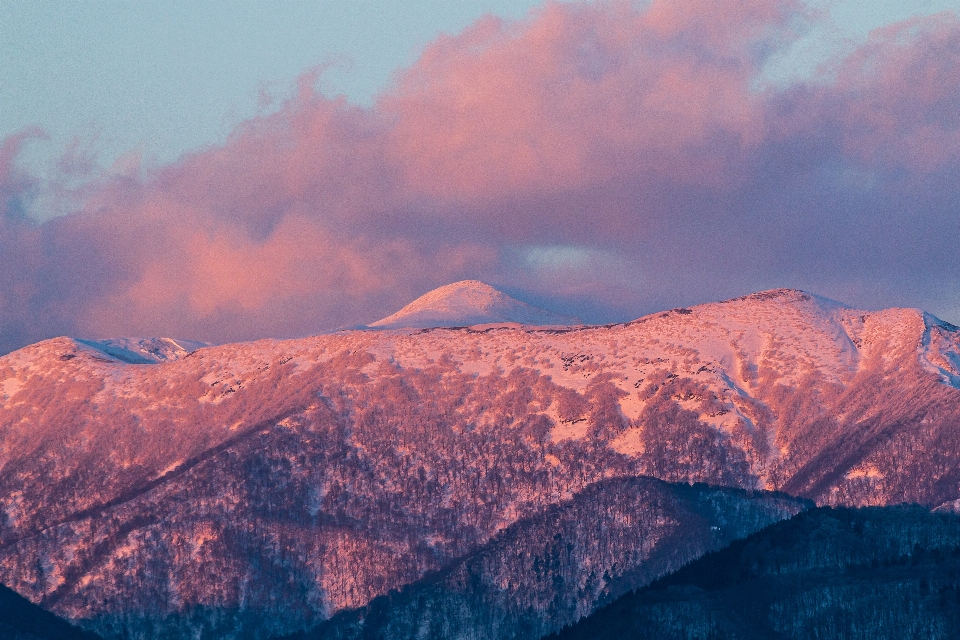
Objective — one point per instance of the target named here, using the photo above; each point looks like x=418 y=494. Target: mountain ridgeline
x=160 y=489
x=870 y=573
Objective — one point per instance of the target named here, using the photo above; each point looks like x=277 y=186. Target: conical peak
x=474 y=285
x=468 y=302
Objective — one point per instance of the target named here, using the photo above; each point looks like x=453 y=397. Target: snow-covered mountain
x=261 y=487
x=467 y=303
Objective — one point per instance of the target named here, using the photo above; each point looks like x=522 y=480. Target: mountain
x=256 y=489
x=145 y=350
x=878 y=573
x=549 y=570
x=468 y=303
x=22 y=620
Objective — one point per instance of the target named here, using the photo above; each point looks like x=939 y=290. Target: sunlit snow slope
x=467 y=303
x=341 y=466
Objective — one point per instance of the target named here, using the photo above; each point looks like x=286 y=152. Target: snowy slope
x=381 y=455
x=467 y=303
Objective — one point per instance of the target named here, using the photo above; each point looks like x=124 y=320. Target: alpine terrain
x=461 y=471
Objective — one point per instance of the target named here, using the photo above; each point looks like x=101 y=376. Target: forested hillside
x=20 y=619
x=840 y=574
x=555 y=567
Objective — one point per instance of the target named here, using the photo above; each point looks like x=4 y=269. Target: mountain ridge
x=877 y=572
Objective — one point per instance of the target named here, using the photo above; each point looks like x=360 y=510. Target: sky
x=229 y=171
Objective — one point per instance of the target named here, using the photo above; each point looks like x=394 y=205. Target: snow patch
x=630 y=442
x=170 y=468
x=10 y=387
x=869 y=471
x=631 y=405
x=575 y=429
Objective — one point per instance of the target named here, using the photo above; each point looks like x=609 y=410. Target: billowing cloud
x=584 y=93
x=605 y=159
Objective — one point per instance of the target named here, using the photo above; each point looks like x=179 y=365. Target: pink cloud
x=580 y=93
x=20 y=258
x=903 y=89
x=893 y=102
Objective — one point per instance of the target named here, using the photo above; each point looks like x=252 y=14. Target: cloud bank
x=603 y=159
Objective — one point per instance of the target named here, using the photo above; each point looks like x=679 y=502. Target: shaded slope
x=557 y=566
x=891 y=572
x=20 y=619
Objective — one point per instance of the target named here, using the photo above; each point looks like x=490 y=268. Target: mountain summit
x=467 y=303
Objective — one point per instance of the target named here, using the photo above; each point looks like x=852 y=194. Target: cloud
x=20 y=259
x=604 y=158
x=582 y=93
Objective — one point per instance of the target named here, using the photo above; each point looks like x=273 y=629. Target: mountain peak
x=465 y=303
